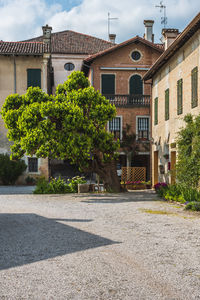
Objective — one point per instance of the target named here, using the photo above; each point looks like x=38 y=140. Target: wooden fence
x=133 y=174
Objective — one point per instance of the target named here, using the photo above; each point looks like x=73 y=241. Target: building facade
x=23 y=65
x=44 y=61
x=117 y=73
x=175 y=92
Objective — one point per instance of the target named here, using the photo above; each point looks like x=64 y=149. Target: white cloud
x=22 y=19
x=91 y=17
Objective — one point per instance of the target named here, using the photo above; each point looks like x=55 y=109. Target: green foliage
x=10 y=170
x=58 y=186
x=182 y=194
x=73 y=183
x=195 y=206
x=41 y=186
x=55 y=186
x=71 y=124
x=188 y=165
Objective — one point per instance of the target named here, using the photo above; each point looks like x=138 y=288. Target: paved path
x=128 y=246
x=16 y=189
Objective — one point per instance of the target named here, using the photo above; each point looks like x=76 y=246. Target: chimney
x=149 y=36
x=169 y=35
x=112 y=38
x=47 y=34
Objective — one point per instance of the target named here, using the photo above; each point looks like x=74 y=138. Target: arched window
x=136 y=85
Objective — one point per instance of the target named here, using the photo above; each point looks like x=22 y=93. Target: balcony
x=129 y=100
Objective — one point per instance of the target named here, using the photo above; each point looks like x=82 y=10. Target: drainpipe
x=92 y=77
x=15 y=77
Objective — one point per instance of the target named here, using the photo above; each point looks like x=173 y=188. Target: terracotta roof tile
x=25 y=48
x=71 y=42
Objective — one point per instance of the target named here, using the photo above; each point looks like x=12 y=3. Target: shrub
x=10 y=170
x=193 y=205
x=41 y=186
x=58 y=186
x=191 y=194
x=55 y=186
x=73 y=183
x=174 y=193
x=161 y=188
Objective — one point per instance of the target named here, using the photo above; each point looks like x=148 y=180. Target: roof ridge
x=23 y=42
x=172 y=48
x=123 y=44
x=80 y=33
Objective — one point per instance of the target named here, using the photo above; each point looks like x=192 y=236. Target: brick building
x=117 y=73
x=175 y=93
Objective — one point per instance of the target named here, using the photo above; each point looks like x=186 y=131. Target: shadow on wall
x=27 y=238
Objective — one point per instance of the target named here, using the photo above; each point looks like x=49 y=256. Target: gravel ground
x=128 y=246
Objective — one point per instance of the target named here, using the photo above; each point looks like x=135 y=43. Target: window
x=167 y=105
x=156 y=111
x=194 y=87
x=69 y=66
x=179 y=96
x=115 y=126
x=108 y=84
x=143 y=128
x=136 y=85
x=34 y=78
x=136 y=55
x=32 y=164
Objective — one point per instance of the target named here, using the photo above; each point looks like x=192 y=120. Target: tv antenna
x=163 y=8
x=110 y=19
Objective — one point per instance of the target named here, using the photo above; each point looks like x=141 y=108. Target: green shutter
x=180 y=96
x=156 y=111
x=108 y=84
x=167 y=104
x=194 y=87
x=34 y=77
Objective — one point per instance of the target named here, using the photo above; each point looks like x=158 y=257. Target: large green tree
x=70 y=125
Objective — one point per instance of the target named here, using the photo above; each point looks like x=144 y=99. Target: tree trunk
x=108 y=173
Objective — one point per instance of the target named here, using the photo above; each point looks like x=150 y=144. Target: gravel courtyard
x=128 y=246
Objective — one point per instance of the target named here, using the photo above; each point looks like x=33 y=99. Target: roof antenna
x=110 y=19
x=163 y=8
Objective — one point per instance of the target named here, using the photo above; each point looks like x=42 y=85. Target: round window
x=69 y=66
x=135 y=55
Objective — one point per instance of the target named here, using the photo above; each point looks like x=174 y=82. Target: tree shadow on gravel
x=122 y=198
x=28 y=238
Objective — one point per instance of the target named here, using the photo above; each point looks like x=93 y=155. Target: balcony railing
x=129 y=100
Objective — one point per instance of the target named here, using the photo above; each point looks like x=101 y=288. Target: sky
x=23 y=19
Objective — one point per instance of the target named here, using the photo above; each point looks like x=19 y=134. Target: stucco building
x=175 y=92
x=23 y=64
x=43 y=61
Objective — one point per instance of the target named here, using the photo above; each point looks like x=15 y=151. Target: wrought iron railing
x=129 y=100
